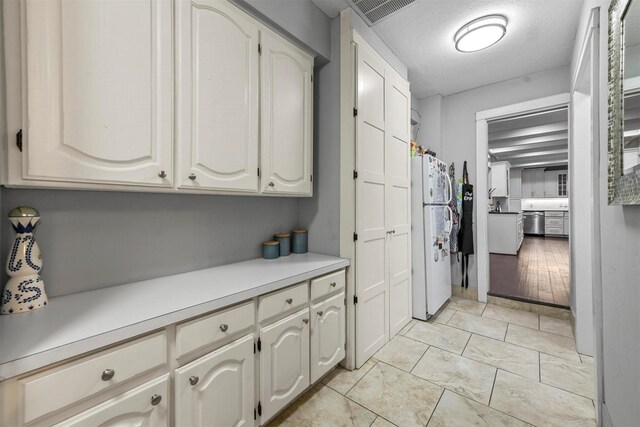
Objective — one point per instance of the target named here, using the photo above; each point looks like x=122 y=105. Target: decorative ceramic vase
x=299 y=241
x=25 y=289
x=285 y=243
x=271 y=249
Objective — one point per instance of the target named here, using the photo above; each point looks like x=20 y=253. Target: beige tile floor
x=472 y=365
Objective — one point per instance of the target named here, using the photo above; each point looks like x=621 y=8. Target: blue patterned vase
x=25 y=289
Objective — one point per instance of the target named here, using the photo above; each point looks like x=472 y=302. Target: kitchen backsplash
x=560 y=204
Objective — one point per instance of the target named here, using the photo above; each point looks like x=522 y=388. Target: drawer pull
x=156 y=399
x=224 y=327
x=320 y=313
x=107 y=374
x=192 y=177
x=305 y=321
x=289 y=301
x=162 y=174
x=333 y=284
x=193 y=380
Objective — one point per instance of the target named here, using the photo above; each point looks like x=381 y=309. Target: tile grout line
x=436 y=405
x=419 y=358
x=487 y=406
x=493 y=386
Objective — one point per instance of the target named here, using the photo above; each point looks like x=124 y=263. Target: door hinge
x=355 y=174
x=345 y=301
x=259 y=344
x=19 y=140
x=258 y=172
x=355 y=112
x=311 y=178
x=259 y=49
x=355 y=300
x=311 y=77
x=345 y=346
x=259 y=408
x=355 y=236
x=255 y=414
x=254 y=348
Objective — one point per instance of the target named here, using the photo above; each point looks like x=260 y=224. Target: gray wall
x=430 y=134
x=96 y=239
x=459 y=127
x=321 y=214
x=620 y=246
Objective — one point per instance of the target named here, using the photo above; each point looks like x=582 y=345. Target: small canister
x=271 y=249
x=285 y=243
x=299 y=241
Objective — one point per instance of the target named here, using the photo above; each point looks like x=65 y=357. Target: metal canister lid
x=300 y=230
x=281 y=235
x=271 y=243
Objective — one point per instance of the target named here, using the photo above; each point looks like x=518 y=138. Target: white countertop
x=74 y=324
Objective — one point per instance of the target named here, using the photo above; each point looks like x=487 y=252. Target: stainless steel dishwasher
x=534 y=223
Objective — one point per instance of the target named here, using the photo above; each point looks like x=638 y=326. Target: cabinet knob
x=305 y=321
x=333 y=284
x=224 y=327
x=320 y=313
x=193 y=380
x=271 y=184
x=289 y=300
x=192 y=177
x=162 y=174
x=156 y=399
x=107 y=374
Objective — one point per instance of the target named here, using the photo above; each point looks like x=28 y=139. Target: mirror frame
x=623 y=189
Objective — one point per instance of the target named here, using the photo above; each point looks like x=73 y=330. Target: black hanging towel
x=465 y=238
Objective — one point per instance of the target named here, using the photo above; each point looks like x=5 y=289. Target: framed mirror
x=624 y=102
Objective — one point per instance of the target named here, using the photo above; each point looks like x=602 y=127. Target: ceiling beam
x=545 y=153
x=558 y=140
x=541 y=164
x=527 y=132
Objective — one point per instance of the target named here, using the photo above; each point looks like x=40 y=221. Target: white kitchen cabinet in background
x=515 y=178
x=532 y=183
x=219 y=388
x=217 y=66
x=284 y=362
x=500 y=179
x=98 y=82
x=286 y=117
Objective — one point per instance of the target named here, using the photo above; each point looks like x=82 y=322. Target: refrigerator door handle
x=450 y=188
x=450 y=219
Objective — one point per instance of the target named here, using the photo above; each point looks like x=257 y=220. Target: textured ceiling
x=540 y=36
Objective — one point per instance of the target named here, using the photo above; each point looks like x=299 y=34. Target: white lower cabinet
x=217 y=389
x=284 y=362
x=327 y=335
x=147 y=405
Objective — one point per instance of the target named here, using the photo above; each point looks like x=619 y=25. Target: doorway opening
x=529 y=217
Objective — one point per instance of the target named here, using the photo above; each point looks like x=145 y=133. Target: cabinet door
x=146 y=405
x=527 y=180
x=217 y=389
x=287 y=117
x=327 y=335
x=551 y=184
x=398 y=199
x=217 y=96
x=515 y=180
x=562 y=184
x=284 y=362
x=538 y=183
x=99 y=92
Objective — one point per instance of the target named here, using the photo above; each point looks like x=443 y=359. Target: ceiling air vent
x=374 y=11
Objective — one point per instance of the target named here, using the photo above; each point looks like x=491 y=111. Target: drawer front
x=145 y=405
x=553 y=230
x=554 y=222
x=327 y=285
x=214 y=328
x=49 y=391
x=283 y=302
x=553 y=214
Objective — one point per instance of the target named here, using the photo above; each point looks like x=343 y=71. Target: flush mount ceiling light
x=480 y=33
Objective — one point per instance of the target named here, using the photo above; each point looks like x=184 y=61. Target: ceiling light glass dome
x=481 y=33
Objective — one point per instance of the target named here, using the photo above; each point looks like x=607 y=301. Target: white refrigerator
x=432 y=220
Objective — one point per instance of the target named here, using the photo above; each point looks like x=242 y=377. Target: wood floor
x=539 y=273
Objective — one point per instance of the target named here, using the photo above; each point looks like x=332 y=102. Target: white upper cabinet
x=286 y=117
x=98 y=92
x=217 y=96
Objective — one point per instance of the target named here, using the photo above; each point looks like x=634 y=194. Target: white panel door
x=99 y=91
x=328 y=330
x=284 y=362
x=398 y=203
x=217 y=96
x=147 y=405
x=217 y=389
x=372 y=285
x=286 y=117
